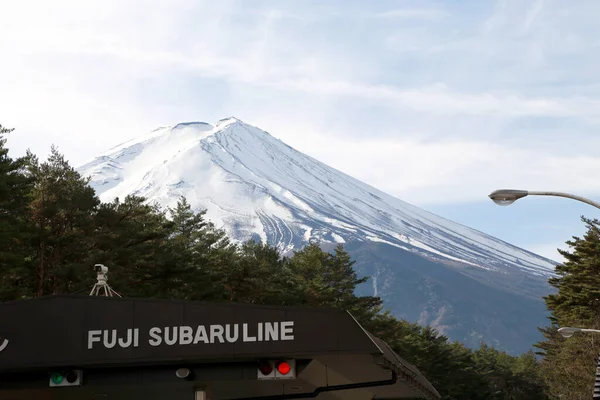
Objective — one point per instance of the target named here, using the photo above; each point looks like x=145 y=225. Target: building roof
x=99 y=333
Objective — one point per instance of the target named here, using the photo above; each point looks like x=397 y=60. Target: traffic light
x=276 y=369
x=65 y=378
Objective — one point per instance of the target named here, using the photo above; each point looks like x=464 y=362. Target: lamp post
x=567 y=332
x=505 y=197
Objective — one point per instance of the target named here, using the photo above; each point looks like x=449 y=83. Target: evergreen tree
x=568 y=364
x=131 y=237
x=325 y=279
x=53 y=229
x=569 y=370
x=309 y=283
x=61 y=211
x=198 y=252
x=578 y=279
x=257 y=275
x=342 y=281
x=510 y=377
x=15 y=184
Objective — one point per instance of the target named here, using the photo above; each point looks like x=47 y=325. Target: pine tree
x=578 y=280
x=343 y=281
x=309 y=282
x=530 y=382
x=61 y=212
x=568 y=364
x=53 y=229
x=14 y=235
x=131 y=237
x=256 y=275
x=569 y=370
x=197 y=252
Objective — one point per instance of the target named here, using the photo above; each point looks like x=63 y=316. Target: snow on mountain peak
x=228 y=121
x=254 y=185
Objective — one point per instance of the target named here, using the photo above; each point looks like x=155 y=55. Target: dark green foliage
x=15 y=185
x=61 y=215
x=578 y=280
x=54 y=229
x=514 y=377
x=324 y=279
x=256 y=275
x=569 y=364
x=131 y=237
x=569 y=368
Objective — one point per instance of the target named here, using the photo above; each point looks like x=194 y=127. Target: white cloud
x=548 y=250
x=449 y=171
x=420 y=101
x=439 y=100
x=412 y=13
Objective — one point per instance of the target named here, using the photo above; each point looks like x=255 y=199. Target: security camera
x=101 y=269
x=102 y=284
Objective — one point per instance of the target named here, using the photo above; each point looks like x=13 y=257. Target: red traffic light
x=276 y=369
x=283 y=368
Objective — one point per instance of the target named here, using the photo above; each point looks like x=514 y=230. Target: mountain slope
x=256 y=186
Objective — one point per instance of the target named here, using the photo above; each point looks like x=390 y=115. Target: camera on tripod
x=101 y=285
x=101 y=269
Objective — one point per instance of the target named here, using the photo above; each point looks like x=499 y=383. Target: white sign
x=187 y=335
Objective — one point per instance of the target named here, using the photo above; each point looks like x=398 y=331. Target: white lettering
x=247 y=337
x=271 y=331
x=216 y=331
x=109 y=344
x=201 y=335
x=186 y=335
x=93 y=337
x=127 y=343
x=231 y=338
x=287 y=330
x=155 y=340
x=170 y=341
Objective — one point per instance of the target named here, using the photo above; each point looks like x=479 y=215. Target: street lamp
x=505 y=197
x=567 y=331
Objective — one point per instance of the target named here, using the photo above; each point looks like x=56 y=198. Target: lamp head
x=567 y=331
x=505 y=197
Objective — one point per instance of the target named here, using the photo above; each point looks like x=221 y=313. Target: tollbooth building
x=109 y=348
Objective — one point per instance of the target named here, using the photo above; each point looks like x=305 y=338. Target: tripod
x=102 y=285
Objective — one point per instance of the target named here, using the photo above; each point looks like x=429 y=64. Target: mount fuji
x=470 y=286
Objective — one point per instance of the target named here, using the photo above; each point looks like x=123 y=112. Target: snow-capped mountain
x=254 y=185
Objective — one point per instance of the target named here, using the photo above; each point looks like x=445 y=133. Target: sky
x=435 y=102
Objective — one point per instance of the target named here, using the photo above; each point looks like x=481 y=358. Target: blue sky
x=436 y=102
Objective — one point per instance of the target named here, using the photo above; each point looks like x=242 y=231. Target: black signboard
x=97 y=331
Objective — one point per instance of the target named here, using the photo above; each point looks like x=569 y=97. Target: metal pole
x=567 y=195
x=596 y=394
